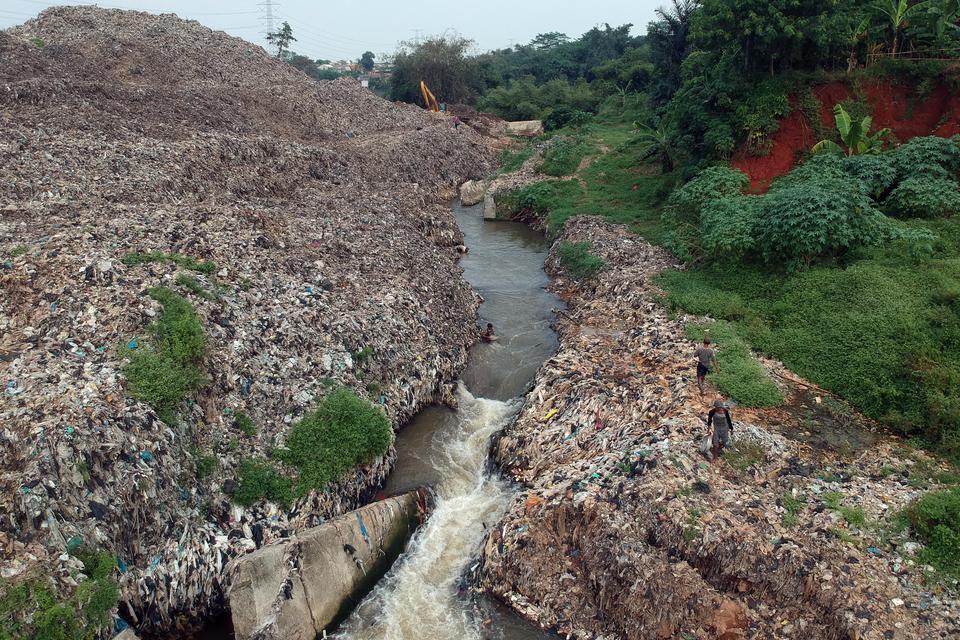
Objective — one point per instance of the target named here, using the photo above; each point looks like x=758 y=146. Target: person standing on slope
x=706 y=358
x=722 y=424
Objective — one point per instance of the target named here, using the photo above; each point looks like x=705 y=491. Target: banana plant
x=854 y=135
x=897 y=13
x=656 y=143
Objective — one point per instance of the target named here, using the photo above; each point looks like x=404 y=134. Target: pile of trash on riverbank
x=626 y=530
x=306 y=224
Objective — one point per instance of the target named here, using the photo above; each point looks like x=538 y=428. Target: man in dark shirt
x=721 y=422
x=706 y=358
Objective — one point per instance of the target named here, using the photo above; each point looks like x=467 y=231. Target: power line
x=268 y=17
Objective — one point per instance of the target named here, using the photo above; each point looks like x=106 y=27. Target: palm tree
x=656 y=143
x=855 y=136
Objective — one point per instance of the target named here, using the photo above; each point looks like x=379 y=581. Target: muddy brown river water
x=421 y=598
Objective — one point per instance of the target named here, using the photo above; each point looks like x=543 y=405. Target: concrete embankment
x=626 y=531
x=296 y=589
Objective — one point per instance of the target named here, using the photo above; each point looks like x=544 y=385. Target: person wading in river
x=487 y=335
x=706 y=358
x=722 y=424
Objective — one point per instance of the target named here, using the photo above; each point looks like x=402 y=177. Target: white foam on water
x=417 y=600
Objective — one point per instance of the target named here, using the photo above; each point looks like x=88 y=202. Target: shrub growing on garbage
x=935 y=519
x=193 y=285
x=578 y=261
x=344 y=432
x=164 y=373
x=31 y=609
x=261 y=481
x=245 y=423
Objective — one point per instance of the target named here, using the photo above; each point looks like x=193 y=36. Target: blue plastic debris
x=873 y=551
x=146 y=456
x=12 y=389
x=363 y=529
x=132 y=344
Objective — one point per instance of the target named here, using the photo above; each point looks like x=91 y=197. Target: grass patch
x=563 y=157
x=245 y=423
x=18 y=251
x=344 y=432
x=193 y=285
x=883 y=332
x=744 y=454
x=30 y=609
x=853 y=515
x=740 y=376
x=205 y=465
x=261 y=481
x=137 y=258
x=935 y=519
x=578 y=261
x=793 y=504
x=361 y=356
x=513 y=158
x=164 y=373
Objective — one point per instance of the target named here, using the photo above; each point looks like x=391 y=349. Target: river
x=421 y=597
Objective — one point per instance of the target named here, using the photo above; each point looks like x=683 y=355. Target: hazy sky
x=344 y=29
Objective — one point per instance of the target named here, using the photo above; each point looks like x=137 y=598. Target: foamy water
x=417 y=600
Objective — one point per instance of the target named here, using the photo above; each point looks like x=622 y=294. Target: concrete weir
x=296 y=589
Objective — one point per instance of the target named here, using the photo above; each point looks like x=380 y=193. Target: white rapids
x=417 y=600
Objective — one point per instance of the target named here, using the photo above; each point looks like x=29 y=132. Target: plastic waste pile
x=332 y=261
x=627 y=531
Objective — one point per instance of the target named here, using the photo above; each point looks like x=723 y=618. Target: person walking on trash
x=706 y=358
x=721 y=423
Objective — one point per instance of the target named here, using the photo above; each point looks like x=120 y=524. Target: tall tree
x=281 y=38
x=442 y=63
x=669 y=40
x=366 y=61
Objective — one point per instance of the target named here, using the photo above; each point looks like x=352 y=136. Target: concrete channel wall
x=296 y=589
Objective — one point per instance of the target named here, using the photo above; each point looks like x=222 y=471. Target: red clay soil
x=892 y=105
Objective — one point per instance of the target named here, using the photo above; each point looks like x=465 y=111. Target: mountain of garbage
x=303 y=223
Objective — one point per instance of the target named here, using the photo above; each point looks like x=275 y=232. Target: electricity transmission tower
x=268 y=6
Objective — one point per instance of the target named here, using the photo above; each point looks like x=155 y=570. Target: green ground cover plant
x=563 y=157
x=513 y=158
x=579 y=262
x=935 y=519
x=166 y=371
x=343 y=432
x=740 y=376
x=31 y=610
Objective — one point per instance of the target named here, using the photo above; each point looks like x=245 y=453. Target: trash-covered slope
x=626 y=531
x=332 y=260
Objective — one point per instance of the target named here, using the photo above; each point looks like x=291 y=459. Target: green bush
x=344 y=432
x=261 y=481
x=682 y=210
x=928 y=157
x=563 y=157
x=935 y=519
x=799 y=224
x=924 y=197
x=875 y=172
x=30 y=610
x=578 y=261
x=245 y=423
x=164 y=373
x=759 y=117
x=740 y=376
x=728 y=225
x=564 y=115
x=540 y=198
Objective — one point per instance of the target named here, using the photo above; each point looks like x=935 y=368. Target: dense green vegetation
x=345 y=431
x=166 y=371
x=935 y=519
x=31 y=610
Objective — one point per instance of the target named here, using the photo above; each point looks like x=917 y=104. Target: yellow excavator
x=429 y=101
